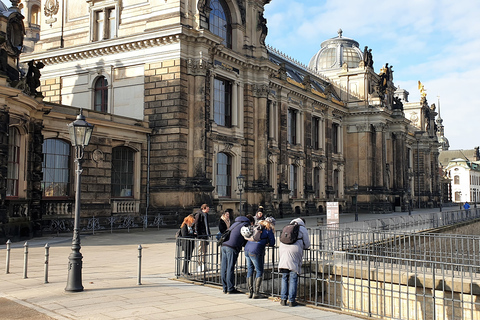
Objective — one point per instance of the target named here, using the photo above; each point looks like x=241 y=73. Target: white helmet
x=246 y=231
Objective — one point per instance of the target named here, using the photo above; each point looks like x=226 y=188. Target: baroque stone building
x=185 y=96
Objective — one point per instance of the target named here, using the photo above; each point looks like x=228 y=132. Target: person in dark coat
x=230 y=250
x=225 y=221
x=187 y=233
x=202 y=231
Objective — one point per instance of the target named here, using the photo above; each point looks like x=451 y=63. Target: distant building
x=186 y=97
x=462 y=167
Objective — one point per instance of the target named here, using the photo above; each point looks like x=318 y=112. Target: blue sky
x=434 y=41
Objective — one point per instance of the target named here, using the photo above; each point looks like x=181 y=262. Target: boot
x=258 y=284
x=250 y=287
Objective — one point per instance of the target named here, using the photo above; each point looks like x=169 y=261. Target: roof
x=296 y=74
x=454 y=155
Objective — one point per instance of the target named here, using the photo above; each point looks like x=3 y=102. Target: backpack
x=257 y=232
x=289 y=233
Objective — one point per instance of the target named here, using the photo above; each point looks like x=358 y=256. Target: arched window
x=56 y=168
x=13 y=166
x=219 y=23
x=224 y=175
x=101 y=95
x=122 y=172
x=35 y=15
x=456 y=179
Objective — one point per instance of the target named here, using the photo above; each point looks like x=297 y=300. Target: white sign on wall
x=332 y=213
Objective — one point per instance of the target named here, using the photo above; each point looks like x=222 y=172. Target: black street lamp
x=240 y=184
x=409 y=195
x=80 y=133
x=355 y=187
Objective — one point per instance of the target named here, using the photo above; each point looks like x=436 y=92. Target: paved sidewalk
x=110 y=277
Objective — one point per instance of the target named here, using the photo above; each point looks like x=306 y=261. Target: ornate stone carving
x=50 y=9
x=261 y=91
x=197 y=66
x=241 y=6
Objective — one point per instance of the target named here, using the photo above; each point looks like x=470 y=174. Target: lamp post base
x=74 y=280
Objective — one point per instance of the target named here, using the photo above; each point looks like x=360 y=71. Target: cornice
x=103 y=48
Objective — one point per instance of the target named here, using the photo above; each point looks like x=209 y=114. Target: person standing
x=225 y=221
x=466 y=206
x=255 y=256
x=202 y=231
x=187 y=232
x=230 y=250
x=290 y=264
x=259 y=215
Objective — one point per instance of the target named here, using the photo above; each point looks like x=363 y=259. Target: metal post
x=47 y=247
x=240 y=191
x=25 y=259
x=7 y=263
x=74 y=280
x=139 y=282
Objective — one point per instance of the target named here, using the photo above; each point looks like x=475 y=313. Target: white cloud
x=435 y=41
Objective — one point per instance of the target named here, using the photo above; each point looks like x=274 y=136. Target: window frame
x=67 y=169
x=292 y=126
x=103 y=92
x=225 y=33
x=227 y=175
x=13 y=162
x=293 y=181
x=222 y=102
x=109 y=29
x=125 y=178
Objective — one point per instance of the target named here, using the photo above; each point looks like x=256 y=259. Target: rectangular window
x=223 y=176
x=316 y=181
x=222 y=102
x=13 y=165
x=293 y=181
x=122 y=172
x=105 y=24
x=316 y=133
x=292 y=126
x=335 y=134
x=56 y=168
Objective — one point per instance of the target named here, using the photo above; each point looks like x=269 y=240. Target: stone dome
x=335 y=52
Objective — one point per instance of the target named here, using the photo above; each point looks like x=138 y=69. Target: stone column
x=379 y=154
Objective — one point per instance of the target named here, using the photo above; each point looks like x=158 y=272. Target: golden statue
x=423 y=92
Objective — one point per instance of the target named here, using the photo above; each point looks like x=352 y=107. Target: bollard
x=7 y=264
x=47 y=247
x=25 y=259
x=139 y=282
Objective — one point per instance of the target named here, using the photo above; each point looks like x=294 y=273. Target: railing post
x=25 y=259
x=47 y=247
x=7 y=263
x=139 y=282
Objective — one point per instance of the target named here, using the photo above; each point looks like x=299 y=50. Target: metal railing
x=380 y=274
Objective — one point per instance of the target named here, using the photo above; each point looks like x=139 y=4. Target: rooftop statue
x=423 y=92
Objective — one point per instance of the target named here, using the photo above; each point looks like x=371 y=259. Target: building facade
x=185 y=96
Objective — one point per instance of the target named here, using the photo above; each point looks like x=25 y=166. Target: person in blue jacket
x=255 y=255
x=230 y=251
x=466 y=206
